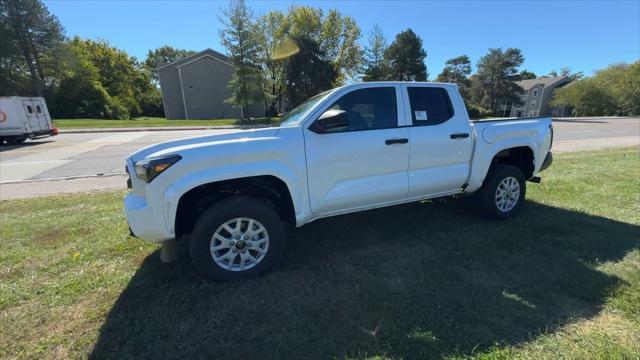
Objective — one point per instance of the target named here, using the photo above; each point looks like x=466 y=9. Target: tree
x=565 y=71
x=611 y=91
x=308 y=72
x=104 y=82
x=80 y=93
x=163 y=55
x=268 y=30
x=30 y=39
x=405 y=57
x=526 y=75
x=339 y=37
x=335 y=35
x=497 y=75
x=627 y=90
x=456 y=70
x=376 y=67
x=121 y=75
x=239 y=38
x=587 y=98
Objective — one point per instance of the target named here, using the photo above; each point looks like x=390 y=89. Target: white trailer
x=24 y=118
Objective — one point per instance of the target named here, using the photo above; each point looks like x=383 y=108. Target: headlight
x=148 y=169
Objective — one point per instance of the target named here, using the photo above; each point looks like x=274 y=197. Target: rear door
x=41 y=114
x=365 y=164
x=439 y=137
x=32 y=118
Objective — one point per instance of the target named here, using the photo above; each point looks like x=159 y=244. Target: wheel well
x=521 y=157
x=270 y=188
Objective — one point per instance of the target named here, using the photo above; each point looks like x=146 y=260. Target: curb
x=74 y=177
x=160 y=128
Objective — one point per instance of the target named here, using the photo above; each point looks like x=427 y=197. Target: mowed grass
x=428 y=280
x=155 y=122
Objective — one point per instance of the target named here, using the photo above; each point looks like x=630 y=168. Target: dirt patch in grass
x=50 y=237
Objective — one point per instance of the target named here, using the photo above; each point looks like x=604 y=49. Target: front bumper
x=144 y=221
x=547 y=161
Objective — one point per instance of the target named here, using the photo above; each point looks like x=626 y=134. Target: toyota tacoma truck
x=357 y=147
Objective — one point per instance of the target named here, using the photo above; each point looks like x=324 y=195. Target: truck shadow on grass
x=411 y=281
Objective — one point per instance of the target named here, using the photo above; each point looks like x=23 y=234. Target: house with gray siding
x=195 y=87
x=535 y=98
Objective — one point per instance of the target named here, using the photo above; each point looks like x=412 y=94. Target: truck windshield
x=295 y=116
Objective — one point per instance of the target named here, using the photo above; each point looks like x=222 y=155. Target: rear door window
x=429 y=105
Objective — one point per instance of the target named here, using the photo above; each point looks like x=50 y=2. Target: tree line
x=611 y=91
x=281 y=58
x=79 y=78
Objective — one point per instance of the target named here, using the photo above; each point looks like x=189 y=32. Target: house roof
x=206 y=52
x=542 y=81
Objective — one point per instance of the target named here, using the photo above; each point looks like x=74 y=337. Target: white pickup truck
x=353 y=148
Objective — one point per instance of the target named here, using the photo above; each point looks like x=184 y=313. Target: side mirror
x=331 y=121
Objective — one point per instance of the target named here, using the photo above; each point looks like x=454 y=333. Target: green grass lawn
x=154 y=122
x=561 y=280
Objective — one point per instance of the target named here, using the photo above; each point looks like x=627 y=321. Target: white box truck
x=24 y=118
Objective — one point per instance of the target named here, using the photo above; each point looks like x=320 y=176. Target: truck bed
x=508 y=119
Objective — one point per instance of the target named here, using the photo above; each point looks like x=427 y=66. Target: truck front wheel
x=237 y=238
x=502 y=193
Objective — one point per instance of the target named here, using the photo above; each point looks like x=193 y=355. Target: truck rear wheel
x=502 y=193
x=237 y=238
x=15 y=139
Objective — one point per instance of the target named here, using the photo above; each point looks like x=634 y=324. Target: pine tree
x=405 y=57
x=376 y=67
x=239 y=38
x=497 y=75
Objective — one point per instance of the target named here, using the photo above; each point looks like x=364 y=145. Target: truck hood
x=181 y=145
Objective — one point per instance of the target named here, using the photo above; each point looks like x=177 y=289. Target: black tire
x=486 y=196
x=223 y=211
x=16 y=140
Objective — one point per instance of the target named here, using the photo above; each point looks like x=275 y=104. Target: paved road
x=96 y=160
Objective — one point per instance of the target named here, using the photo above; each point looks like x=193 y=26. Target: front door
x=440 y=140
x=364 y=164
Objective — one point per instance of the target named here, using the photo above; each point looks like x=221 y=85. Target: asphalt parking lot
x=95 y=161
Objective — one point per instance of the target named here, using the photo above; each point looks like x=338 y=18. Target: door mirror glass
x=331 y=121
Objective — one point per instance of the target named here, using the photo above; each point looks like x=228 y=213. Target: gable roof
x=206 y=52
x=542 y=81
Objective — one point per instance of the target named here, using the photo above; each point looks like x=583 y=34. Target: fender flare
x=189 y=182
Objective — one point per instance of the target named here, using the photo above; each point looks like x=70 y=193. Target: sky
x=582 y=35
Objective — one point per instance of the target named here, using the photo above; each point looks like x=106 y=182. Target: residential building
x=536 y=97
x=195 y=87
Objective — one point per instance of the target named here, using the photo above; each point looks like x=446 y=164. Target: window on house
x=29 y=109
x=38 y=109
x=533 y=104
x=535 y=92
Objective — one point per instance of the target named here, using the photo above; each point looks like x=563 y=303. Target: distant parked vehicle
x=23 y=118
